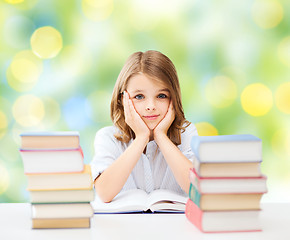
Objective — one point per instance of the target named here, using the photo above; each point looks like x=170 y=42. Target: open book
x=137 y=200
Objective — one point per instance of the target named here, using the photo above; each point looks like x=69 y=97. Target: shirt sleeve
x=107 y=150
x=186 y=136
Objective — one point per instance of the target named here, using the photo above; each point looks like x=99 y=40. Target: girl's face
x=151 y=98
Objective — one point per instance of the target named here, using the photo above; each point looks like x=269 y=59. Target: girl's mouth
x=151 y=117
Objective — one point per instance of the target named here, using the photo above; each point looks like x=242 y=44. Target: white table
x=15 y=224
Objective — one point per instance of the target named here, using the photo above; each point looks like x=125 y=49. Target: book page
x=163 y=199
x=126 y=201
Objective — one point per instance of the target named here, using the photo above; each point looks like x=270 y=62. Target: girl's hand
x=133 y=119
x=163 y=126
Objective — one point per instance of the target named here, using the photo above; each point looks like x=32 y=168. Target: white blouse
x=151 y=171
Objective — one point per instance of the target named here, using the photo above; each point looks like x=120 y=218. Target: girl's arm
x=112 y=180
x=178 y=163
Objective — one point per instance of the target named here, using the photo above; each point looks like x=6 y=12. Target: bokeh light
x=206 y=129
x=59 y=63
x=14 y=1
x=3 y=124
x=28 y=110
x=284 y=51
x=46 y=42
x=267 y=13
x=221 y=91
x=97 y=10
x=24 y=71
x=257 y=99
x=282 y=98
x=4 y=178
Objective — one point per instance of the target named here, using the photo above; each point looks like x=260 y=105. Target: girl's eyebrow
x=159 y=90
x=164 y=90
x=137 y=91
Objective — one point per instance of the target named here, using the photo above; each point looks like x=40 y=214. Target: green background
x=220 y=48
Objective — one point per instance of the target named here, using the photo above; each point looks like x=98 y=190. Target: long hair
x=159 y=67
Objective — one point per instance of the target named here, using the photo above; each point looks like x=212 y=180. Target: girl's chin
x=151 y=126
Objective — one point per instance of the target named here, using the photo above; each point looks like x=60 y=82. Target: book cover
x=228 y=184
x=227 y=148
x=222 y=221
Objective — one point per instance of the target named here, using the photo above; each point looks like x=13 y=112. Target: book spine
x=194 y=214
x=194 y=195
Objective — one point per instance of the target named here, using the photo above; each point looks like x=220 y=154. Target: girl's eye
x=139 y=96
x=162 y=95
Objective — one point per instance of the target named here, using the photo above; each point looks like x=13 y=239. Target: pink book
x=222 y=221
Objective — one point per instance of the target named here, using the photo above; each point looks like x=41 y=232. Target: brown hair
x=159 y=67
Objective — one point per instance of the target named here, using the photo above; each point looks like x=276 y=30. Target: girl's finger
x=126 y=105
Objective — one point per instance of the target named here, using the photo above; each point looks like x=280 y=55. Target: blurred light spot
x=98 y=106
x=221 y=91
x=17 y=31
x=52 y=112
x=282 y=97
x=97 y=10
x=75 y=114
x=257 y=99
x=28 y=110
x=46 y=42
x=22 y=4
x=14 y=1
x=267 y=13
x=4 y=179
x=206 y=129
x=3 y=124
x=284 y=51
x=24 y=71
x=281 y=142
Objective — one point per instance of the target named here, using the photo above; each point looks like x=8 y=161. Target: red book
x=228 y=184
x=222 y=221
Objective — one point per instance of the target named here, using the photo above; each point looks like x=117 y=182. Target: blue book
x=227 y=148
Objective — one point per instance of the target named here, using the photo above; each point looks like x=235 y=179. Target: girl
x=149 y=145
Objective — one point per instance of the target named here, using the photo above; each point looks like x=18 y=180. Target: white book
x=60 y=181
x=137 y=200
x=52 y=161
x=62 y=196
x=227 y=148
x=62 y=210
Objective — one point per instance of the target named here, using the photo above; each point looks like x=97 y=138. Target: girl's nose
x=150 y=105
x=150 y=108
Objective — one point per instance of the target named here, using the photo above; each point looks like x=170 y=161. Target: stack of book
x=59 y=183
x=226 y=183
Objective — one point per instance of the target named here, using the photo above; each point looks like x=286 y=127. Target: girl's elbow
x=103 y=194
